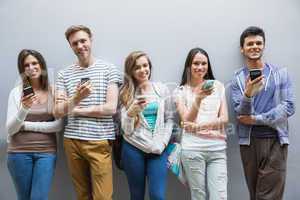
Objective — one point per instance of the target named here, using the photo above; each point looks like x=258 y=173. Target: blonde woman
x=147 y=122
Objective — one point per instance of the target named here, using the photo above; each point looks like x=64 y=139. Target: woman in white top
x=203 y=113
x=147 y=121
x=31 y=129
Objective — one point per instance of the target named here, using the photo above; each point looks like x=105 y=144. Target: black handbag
x=117 y=143
x=117 y=151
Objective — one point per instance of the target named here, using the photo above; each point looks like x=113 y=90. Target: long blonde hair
x=129 y=86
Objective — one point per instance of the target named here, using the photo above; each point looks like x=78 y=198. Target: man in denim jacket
x=262 y=107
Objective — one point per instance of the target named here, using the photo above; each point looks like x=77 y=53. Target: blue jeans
x=32 y=174
x=138 y=165
x=203 y=167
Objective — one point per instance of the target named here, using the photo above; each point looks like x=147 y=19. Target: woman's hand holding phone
x=28 y=101
x=203 y=91
x=137 y=106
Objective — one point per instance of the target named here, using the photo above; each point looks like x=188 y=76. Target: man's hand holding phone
x=83 y=80
x=254 y=82
x=84 y=89
x=137 y=106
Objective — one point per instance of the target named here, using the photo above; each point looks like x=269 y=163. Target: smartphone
x=83 y=80
x=255 y=73
x=141 y=98
x=208 y=85
x=28 y=90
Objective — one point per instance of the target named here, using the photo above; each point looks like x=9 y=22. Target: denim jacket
x=277 y=117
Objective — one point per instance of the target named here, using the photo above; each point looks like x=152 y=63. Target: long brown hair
x=188 y=63
x=44 y=76
x=129 y=86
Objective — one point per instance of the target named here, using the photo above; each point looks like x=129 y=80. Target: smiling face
x=253 y=47
x=199 y=66
x=81 y=43
x=32 y=67
x=141 y=71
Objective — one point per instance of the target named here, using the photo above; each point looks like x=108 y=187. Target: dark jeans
x=264 y=163
x=138 y=165
x=32 y=174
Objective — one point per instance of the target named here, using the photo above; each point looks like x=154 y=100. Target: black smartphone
x=255 y=73
x=83 y=80
x=28 y=90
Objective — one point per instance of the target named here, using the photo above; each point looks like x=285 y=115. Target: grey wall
x=164 y=29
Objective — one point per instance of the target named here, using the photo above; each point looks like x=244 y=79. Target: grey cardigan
x=141 y=136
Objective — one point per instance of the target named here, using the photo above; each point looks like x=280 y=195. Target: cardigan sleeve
x=16 y=113
x=127 y=123
x=161 y=140
x=44 y=127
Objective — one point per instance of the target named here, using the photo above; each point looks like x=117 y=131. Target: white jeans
x=201 y=165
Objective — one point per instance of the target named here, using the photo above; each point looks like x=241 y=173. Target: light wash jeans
x=203 y=167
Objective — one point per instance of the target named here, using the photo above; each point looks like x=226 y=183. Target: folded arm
x=107 y=109
x=44 y=127
x=285 y=107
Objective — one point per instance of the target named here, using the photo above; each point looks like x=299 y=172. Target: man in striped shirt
x=87 y=93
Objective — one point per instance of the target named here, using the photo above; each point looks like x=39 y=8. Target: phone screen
x=255 y=73
x=27 y=91
x=208 y=85
x=141 y=98
x=83 y=80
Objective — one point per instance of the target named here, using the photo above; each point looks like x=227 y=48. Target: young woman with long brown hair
x=32 y=129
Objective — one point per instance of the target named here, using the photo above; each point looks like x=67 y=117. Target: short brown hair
x=75 y=28
x=252 y=31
